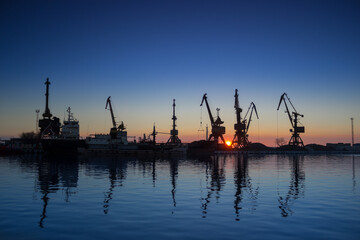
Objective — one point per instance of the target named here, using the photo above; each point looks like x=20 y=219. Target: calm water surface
x=222 y=197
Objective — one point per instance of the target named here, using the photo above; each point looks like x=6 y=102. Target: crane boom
x=290 y=102
x=253 y=107
x=208 y=108
x=282 y=99
x=108 y=103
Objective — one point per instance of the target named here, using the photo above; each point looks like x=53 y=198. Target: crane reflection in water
x=174 y=165
x=148 y=165
x=243 y=183
x=296 y=187
x=217 y=172
x=353 y=173
x=117 y=174
x=215 y=178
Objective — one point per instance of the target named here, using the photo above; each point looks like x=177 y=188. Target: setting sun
x=228 y=143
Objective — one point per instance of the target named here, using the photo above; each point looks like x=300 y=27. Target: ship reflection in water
x=54 y=175
x=183 y=198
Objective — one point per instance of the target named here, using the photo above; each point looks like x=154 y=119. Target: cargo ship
x=116 y=142
x=54 y=137
x=67 y=141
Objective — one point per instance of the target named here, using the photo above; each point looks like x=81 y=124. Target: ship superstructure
x=70 y=129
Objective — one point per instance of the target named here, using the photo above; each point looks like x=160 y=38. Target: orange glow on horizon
x=228 y=143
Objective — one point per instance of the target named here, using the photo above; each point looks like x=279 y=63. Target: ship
x=67 y=141
x=109 y=142
x=116 y=142
x=54 y=137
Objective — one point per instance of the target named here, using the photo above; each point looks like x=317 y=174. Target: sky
x=144 y=54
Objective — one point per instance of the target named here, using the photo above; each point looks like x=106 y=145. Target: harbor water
x=217 y=197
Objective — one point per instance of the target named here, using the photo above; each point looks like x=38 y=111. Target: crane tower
x=49 y=126
x=241 y=126
x=174 y=139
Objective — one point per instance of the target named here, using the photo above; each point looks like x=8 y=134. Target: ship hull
x=206 y=147
x=60 y=146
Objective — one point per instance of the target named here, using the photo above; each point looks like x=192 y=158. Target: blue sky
x=145 y=53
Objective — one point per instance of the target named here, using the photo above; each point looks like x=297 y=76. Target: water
x=223 y=197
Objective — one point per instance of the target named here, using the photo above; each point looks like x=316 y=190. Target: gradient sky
x=145 y=53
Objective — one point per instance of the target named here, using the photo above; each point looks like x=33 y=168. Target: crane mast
x=153 y=135
x=240 y=139
x=295 y=139
x=241 y=126
x=47 y=113
x=237 y=107
x=217 y=130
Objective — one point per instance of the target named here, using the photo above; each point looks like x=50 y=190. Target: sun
x=228 y=143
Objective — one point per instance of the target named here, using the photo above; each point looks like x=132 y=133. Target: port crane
x=295 y=139
x=216 y=130
x=174 y=139
x=114 y=130
x=49 y=125
x=242 y=126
